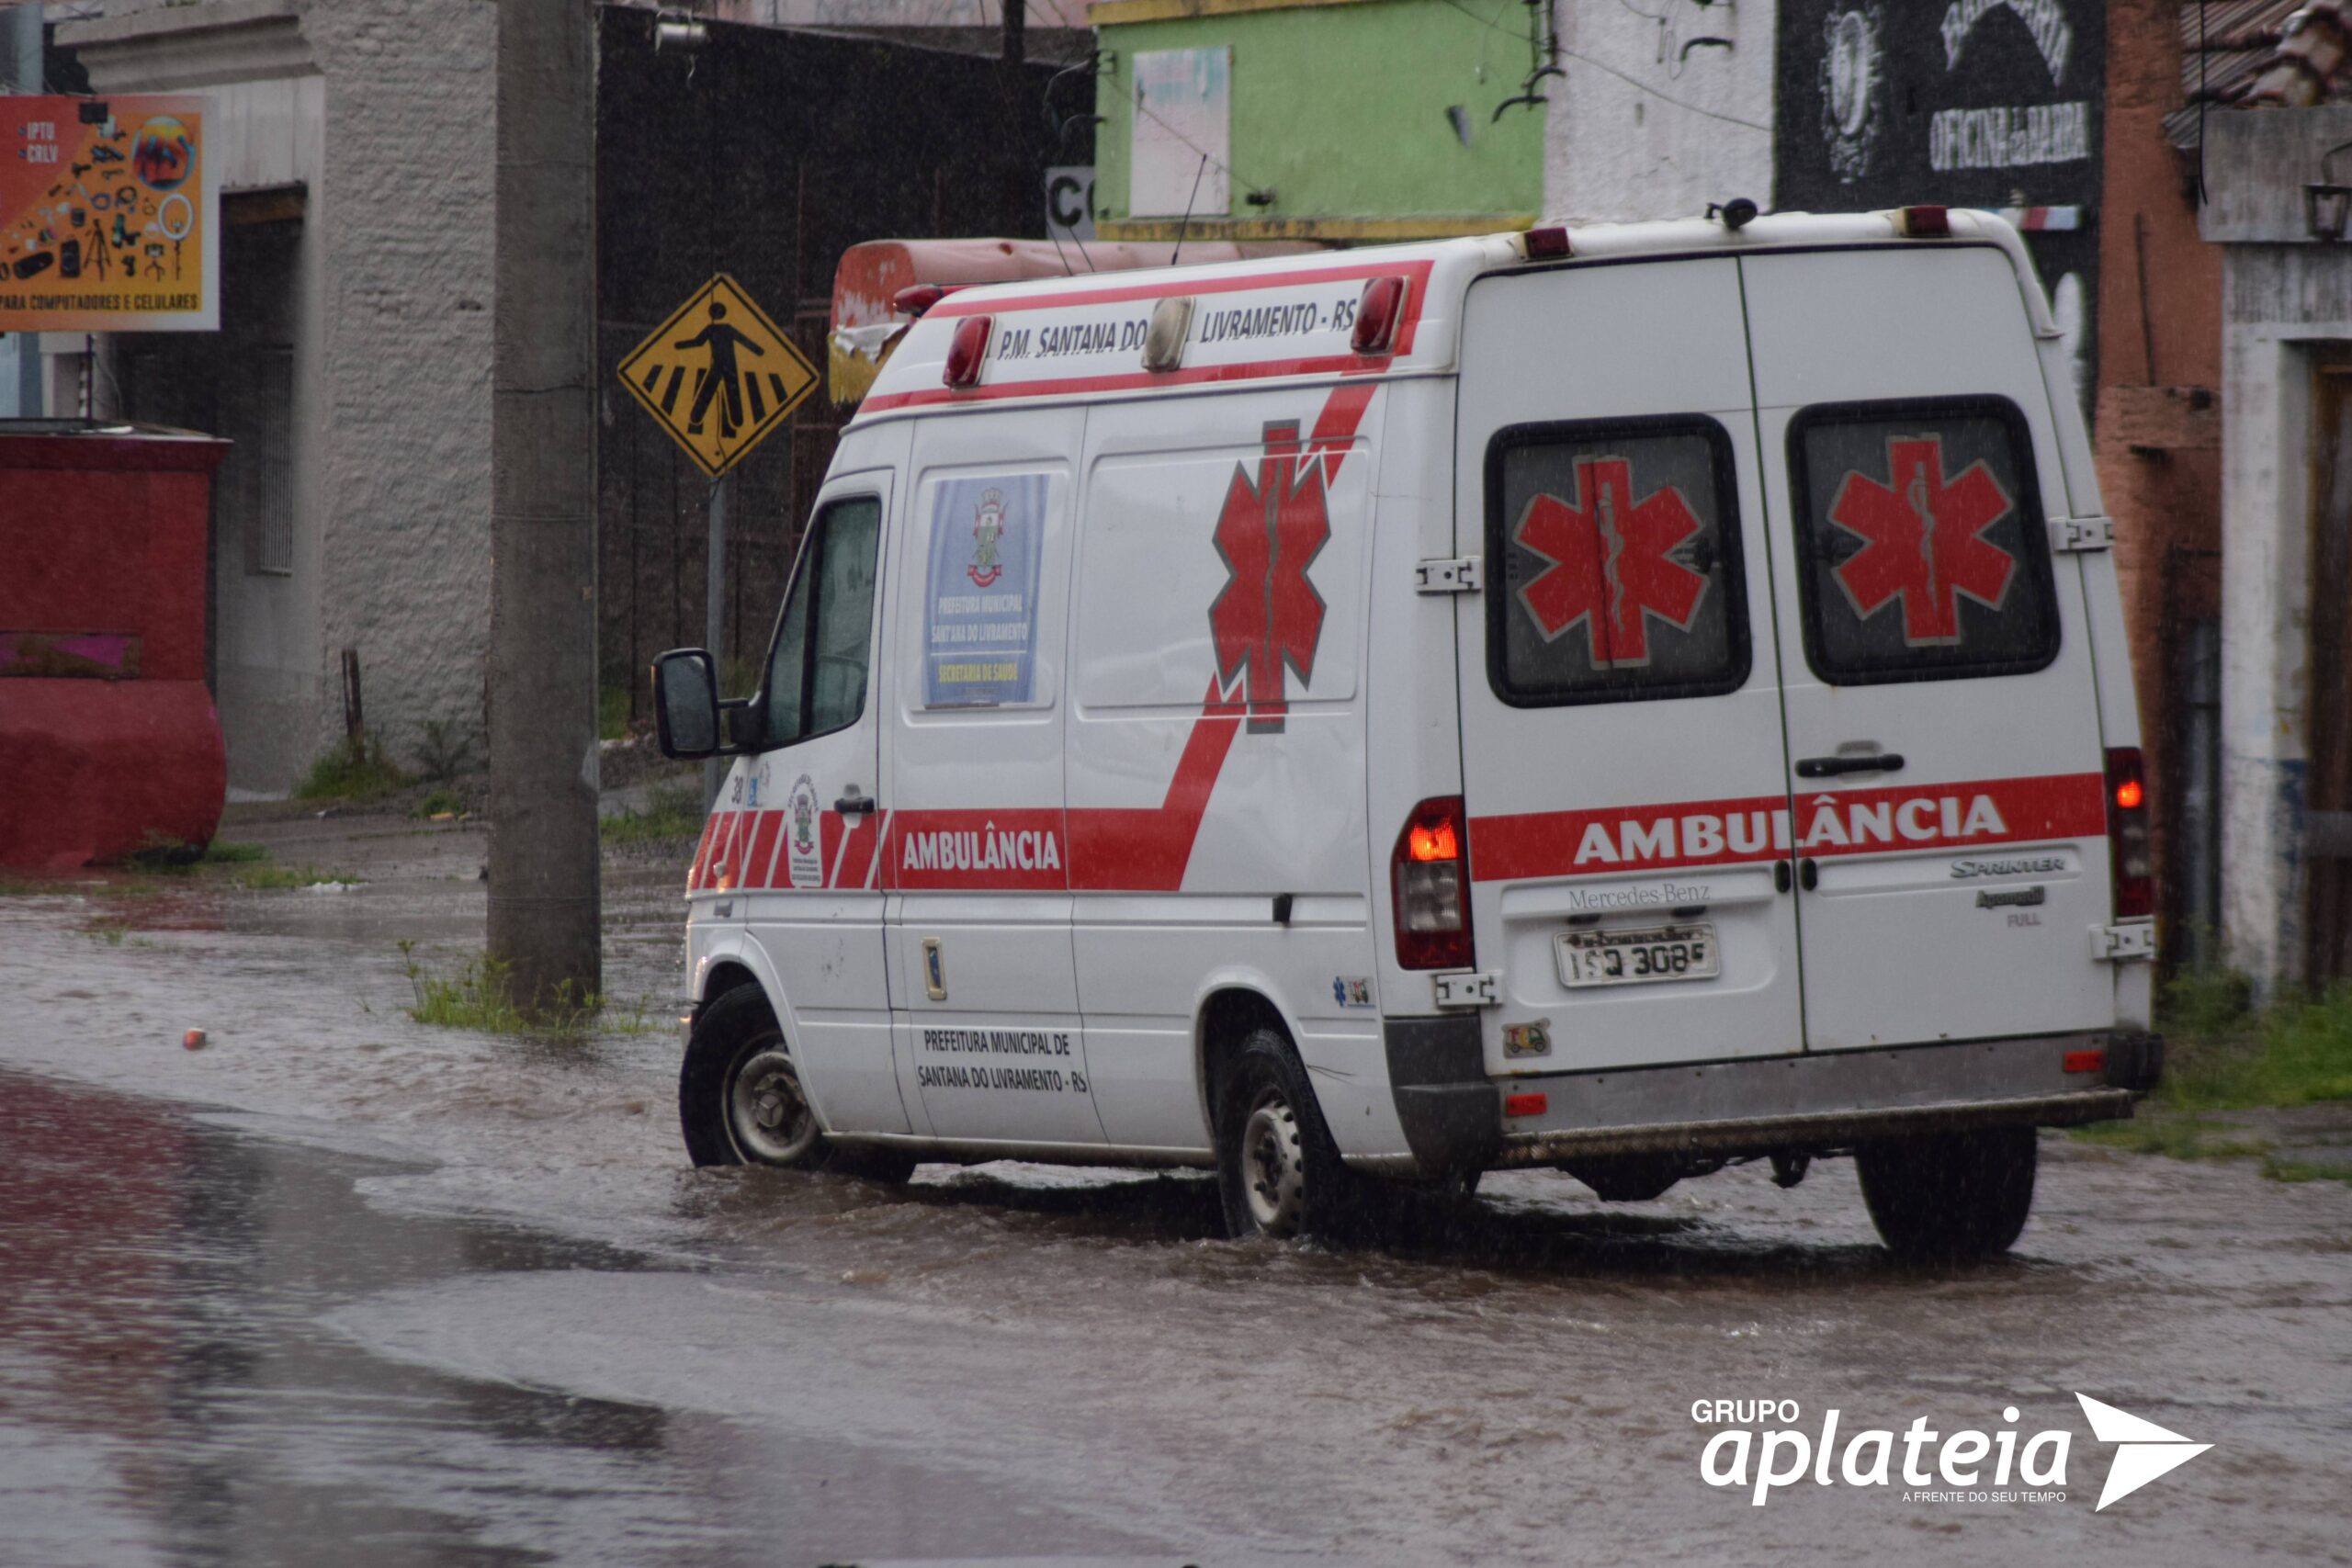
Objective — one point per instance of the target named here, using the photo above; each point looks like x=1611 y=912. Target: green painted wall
x=1341 y=109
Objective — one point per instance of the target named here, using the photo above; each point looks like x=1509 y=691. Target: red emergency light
x=1549 y=243
x=1378 y=313
x=1923 y=222
x=966 y=351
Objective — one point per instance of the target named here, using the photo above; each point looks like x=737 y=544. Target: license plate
x=1640 y=956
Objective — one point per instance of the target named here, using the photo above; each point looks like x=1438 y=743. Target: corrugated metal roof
x=2224 y=45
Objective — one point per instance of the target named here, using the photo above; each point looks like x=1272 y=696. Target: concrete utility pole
x=544 y=908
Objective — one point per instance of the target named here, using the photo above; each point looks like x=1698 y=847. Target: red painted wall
x=102 y=575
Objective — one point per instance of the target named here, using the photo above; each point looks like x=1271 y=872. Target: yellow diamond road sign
x=718 y=375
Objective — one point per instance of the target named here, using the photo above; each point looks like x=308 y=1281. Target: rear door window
x=1621 y=579
x=1922 y=550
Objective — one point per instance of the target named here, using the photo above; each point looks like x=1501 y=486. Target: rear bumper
x=1816 y=1101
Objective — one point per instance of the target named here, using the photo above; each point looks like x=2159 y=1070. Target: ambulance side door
x=976 y=855
x=804 y=849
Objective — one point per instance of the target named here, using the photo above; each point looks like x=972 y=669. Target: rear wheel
x=1951 y=1197
x=1278 y=1172
x=741 y=1102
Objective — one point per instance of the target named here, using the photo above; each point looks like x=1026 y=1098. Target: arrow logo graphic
x=2143 y=1449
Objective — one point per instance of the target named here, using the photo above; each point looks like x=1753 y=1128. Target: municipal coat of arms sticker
x=804 y=856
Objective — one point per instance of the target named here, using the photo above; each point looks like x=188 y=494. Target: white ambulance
x=1628 y=699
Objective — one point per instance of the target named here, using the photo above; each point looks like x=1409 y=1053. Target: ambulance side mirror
x=685 y=704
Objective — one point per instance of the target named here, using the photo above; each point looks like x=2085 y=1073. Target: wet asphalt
x=342 y=1289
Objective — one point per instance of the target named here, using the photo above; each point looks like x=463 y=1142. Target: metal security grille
x=272 y=517
x=257 y=414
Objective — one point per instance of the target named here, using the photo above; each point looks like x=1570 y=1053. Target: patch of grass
x=2220 y=1055
x=479 y=995
x=169 y=857
x=445 y=750
x=2278 y=1170
x=438 y=802
x=2176 y=1135
x=612 y=712
x=275 y=878
x=673 y=810
x=108 y=930
x=350 y=772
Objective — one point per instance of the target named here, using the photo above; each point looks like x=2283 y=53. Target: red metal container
x=108 y=740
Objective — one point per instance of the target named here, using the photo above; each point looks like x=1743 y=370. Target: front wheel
x=1278 y=1172
x=740 y=1102
x=1951 y=1197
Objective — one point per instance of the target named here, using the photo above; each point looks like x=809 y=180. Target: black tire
x=1268 y=1122
x=1950 y=1198
x=737 y=1065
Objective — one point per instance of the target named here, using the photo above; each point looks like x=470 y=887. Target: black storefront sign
x=1970 y=103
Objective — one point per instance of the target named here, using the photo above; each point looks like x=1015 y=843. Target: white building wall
x=2286 y=304
x=1651 y=122
x=410 y=164
x=2283 y=306
x=382 y=113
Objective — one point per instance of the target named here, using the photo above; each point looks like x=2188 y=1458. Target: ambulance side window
x=824 y=643
x=1619 y=562
x=1922 y=553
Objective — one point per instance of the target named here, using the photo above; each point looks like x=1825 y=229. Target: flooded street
x=340 y=1287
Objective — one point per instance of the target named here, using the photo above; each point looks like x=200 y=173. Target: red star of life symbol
x=1267 y=615
x=1923 y=540
x=1612 y=564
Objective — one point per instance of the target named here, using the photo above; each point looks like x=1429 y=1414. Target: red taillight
x=2127 y=835
x=1923 y=222
x=1549 y=243
x=2084 y=1060
x=969 y=347
x=1526 y=1104
x=1430 y=878
x=1378 y=313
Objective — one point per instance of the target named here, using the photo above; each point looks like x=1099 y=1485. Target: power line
x=1664 y=97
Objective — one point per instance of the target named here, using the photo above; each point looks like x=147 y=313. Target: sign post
x=719 y=376
x=713 y=615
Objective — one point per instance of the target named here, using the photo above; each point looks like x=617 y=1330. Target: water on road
x=340 y=1288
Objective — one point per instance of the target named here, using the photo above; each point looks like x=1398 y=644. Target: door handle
x=1831 y=767
x=855 y=805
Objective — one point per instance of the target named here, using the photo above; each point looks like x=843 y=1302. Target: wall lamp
x=2326 y=200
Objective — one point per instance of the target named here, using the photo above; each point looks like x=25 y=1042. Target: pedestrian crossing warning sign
x=718 y=375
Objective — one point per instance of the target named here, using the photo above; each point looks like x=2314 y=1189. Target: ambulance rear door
x=1946 y=761
x=1622 y=760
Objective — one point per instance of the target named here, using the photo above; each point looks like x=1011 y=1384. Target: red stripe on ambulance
x=1730 y=832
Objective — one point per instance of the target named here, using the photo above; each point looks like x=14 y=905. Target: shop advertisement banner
x=980 y=600
x=109 y=216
